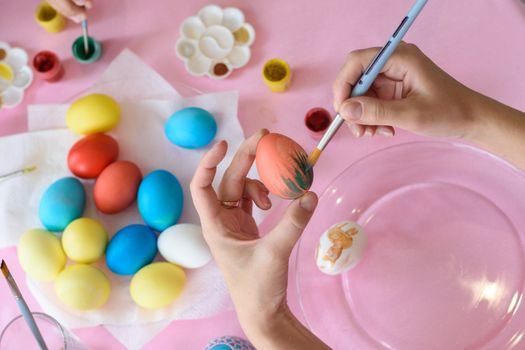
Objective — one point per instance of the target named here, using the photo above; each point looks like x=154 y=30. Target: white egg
x=340 y=248
x=184 y=245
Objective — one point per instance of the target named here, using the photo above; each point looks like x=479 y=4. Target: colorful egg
x=82 y=287
x=84 y=240
x=184 y=245
x=283 y=166
x=340 y=248
x=116 y=187
x=40 y=254
x=89 y=156
x=62 y=203
x=229 y=343
x=191 y=127
x=130 y=249
x=160 y=200
x=93 y=114
x=157 y=285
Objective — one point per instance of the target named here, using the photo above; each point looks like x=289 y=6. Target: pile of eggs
x=43 y=253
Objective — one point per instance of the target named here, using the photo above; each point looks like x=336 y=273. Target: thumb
x=374 y=111
x=286 y=233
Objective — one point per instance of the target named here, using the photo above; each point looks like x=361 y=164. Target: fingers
x=355 y=65
x=85 y=3
x=254 y=190
x=396 y=68
x=233 y=182
x=283 y=237
x=69 y=9
x=202 y=192
x=373 y=111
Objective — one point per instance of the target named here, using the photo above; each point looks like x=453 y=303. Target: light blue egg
x=191 y=127
x=160 y=200
x=229 y=343
x=130 y=249
x=62 y=203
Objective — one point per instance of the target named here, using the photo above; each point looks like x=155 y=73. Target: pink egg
x=283 y=166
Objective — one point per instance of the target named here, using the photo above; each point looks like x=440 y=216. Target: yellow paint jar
x=48 y=18
x=277 y=75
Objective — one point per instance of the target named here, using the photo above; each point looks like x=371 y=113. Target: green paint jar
x=94 y=53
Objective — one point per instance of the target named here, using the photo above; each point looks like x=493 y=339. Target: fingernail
x=308 y=202
x=265 y=200
x=78 y=18
x=383 y=131
x=353 y=130
x=352 y=111
x=368 y=132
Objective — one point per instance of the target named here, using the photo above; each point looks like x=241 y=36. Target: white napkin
x=141 y=139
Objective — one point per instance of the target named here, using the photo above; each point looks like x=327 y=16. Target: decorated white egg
x=340 y=248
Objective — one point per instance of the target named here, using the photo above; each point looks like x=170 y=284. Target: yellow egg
x=84 y=240
x=40 y=254
x=92 y=114
x=82 y=287
x=157 y=285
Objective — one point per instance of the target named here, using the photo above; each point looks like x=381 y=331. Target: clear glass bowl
x=444 y=267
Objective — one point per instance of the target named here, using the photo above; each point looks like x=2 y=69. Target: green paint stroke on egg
x=303 y=176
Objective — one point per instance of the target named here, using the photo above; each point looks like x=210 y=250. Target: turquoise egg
x=130 y=249
x=62 y=203
x=191 y=127
x=160 y=200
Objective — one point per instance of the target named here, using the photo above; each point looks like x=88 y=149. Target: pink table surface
x=481 y=43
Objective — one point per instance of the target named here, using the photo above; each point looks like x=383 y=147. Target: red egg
x=283 y=166
x=116 y=187
x=90 y=155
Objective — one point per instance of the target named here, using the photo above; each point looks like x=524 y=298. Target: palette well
x=444 y=267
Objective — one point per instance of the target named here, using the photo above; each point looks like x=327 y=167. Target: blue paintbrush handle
x=373 y=69
x=382 y=56
x=28 y=316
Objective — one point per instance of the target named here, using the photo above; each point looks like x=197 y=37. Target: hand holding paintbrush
x=24 y=309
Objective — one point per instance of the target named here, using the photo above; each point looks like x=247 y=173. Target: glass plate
x=444 y=266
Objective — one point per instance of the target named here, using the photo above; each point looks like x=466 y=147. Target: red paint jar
x=47 y=66
x=317 y=121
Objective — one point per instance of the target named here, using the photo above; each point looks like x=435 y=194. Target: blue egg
x=160 y=200
x=62 y=203
x=229 y=343
x=191 y=127
x=130 y=249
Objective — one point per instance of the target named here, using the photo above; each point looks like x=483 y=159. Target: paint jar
x=277 y=75
x=47 y=66
x=80 y=54
x=317 y=121
x=48 y=18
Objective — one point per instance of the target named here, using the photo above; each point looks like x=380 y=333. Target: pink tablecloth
x=481 y=43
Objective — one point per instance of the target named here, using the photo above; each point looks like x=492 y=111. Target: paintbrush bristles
x=4 y=268
x=314 y=156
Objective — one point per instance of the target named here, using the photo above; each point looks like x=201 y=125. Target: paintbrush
x=370 y=74
x=24 y=309
x=85 y=35
x=16 y=172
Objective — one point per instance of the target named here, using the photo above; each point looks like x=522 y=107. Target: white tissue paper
x=140 y=135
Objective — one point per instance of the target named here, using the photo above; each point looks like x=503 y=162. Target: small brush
x=24 y=309
x=16 y=172
x=85 y=35
x=370 y=74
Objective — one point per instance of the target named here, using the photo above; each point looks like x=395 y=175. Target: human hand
x=411 y=92
x=255 y=268
x=75 y=10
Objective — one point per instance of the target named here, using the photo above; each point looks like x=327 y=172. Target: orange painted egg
x=283 y=166
x=116 y=187
x=91 y=154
